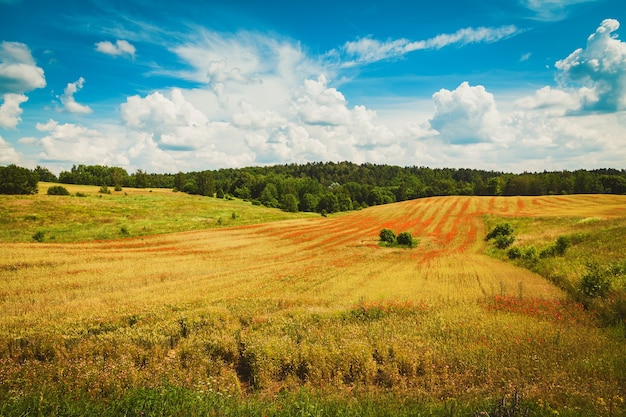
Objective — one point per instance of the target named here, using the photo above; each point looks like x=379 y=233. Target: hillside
x=88 y=214
x=311 y=304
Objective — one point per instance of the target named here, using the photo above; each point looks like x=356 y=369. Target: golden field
x=315 y=303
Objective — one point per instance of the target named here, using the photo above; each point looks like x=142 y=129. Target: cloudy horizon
x=507 y=86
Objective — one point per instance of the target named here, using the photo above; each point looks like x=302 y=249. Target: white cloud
x=250 y=118
x=551 y=10
x=10 y=110
x=69 y=103
x=553 y=101
x=74 y=143
x=318 y=104
x=244 y=57
x=121 y=47
x=8 y=155
x=465 y=115
x=18 y=71
x=18 y=74
x=600 y=68
x=368 y=50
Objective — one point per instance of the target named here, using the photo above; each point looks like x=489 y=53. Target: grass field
x=126 y=213
x=304 y=316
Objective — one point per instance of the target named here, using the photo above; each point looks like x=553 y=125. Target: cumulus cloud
x=120 y=47
x=68 y=101
x=174 y=121
x=368 y=50
x=465 y=115
x=18 y=74
x=8 y=155
x=18 y=71
x=599 y=67
x=247 y=117
x=70 y=142
x=551 y=100
x=10 y=110
x=318 y=104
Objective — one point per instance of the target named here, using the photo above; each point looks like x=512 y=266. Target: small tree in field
x=501 y=229
x=405 y=239
x=387 y=236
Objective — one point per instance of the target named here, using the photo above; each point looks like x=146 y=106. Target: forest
x=328 y=187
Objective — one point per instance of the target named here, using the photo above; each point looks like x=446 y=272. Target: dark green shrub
x=596 y=282
x=79 y=194
x=514 y=253
x=405 y=239
x=504 y=241
x=39 y=236
x=558 y=249
x=387 y=235
x=530 y=256
x=104 y=189
x=501 y=229
x=562 y=244
x=58 y=190
x=118 y=188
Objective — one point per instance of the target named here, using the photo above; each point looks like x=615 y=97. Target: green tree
x=118 y=176
x=269 y=195
x=387 y=235
x=328 y=203
x=493 y=186
x=17 y=180
x=141 y=179
x=309 y=202
x=405 y=239
x=205 y=183
x=44 y=174
x=179 y=181
x=290 y=203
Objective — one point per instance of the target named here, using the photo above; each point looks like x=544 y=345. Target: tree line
x=328 y=187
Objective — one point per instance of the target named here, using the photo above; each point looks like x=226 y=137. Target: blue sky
x=517 y=85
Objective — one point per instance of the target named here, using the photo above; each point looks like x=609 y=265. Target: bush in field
x=562 y=244
x=58 y=190
x=104 y=189
x=405 y=239
x=388 y=238
x=558 y=249
x=501 y=229
x=504 y=241
x=514 y=253
x=387 y=235
x=596 y=282
x=39 y=236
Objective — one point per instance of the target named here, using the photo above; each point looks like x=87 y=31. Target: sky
x=191 y=85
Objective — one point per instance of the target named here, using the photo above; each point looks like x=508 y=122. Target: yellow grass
x=281 y=291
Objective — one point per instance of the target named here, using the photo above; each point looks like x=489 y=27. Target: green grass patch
x=97 y=216
x=594 y=256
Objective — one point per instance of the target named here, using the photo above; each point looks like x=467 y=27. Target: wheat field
x=313 y=303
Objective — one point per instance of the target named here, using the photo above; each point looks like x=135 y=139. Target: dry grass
x=309 y=302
